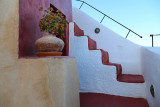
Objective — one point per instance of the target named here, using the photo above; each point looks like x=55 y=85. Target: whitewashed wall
x=120 y=49
x=96 y=77
x=134 y=58
x=151 y=71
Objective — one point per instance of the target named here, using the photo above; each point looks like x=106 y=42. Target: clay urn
x=49 y=43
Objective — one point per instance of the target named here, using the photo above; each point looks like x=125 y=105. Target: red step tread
x=92 y=45
x=118 y=68
x=78 y=31
x=128 y=78
x=106 y=100
x=131 y=78
x=105 y=57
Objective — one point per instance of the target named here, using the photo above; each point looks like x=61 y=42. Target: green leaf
x=41 y=8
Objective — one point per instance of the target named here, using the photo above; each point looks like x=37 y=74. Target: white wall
x=151 y=71
x=156 y=50
x=134 y=59
x=120 y=50
x=96 y=77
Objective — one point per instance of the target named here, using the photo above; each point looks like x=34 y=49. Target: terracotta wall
x=29 y=17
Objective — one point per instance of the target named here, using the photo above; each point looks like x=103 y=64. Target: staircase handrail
x=129 y=30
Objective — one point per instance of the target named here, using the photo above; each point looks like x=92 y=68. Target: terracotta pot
x=49 y=43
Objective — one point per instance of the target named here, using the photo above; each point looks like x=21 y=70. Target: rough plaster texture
x=65 y=80
x=120 y=49
x=37 y=82
x=8 y=32
x=43 y=82
x=151 y=71
x=96 y=77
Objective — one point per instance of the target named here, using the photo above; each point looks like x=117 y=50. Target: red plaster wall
x=29 y=16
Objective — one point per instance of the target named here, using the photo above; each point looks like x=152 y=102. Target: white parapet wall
x=151 y=71
x=120 y=49
x=96 y=77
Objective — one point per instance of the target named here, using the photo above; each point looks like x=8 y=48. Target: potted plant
x=53 y=24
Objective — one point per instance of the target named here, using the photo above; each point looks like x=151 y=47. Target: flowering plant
x=53 y=23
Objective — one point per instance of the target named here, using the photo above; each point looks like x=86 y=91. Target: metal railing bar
x=110 y=18
x=91 y=6
x=124 y=26
x=155 y=34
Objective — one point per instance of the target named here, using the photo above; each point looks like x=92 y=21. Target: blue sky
x=142 y=16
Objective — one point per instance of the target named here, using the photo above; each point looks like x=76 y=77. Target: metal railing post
x=102 y=19
x=151 y=35
x=128 y=33
x=81 y=5
x=152 y=39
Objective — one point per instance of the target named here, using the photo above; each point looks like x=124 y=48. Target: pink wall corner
x=29 y=16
